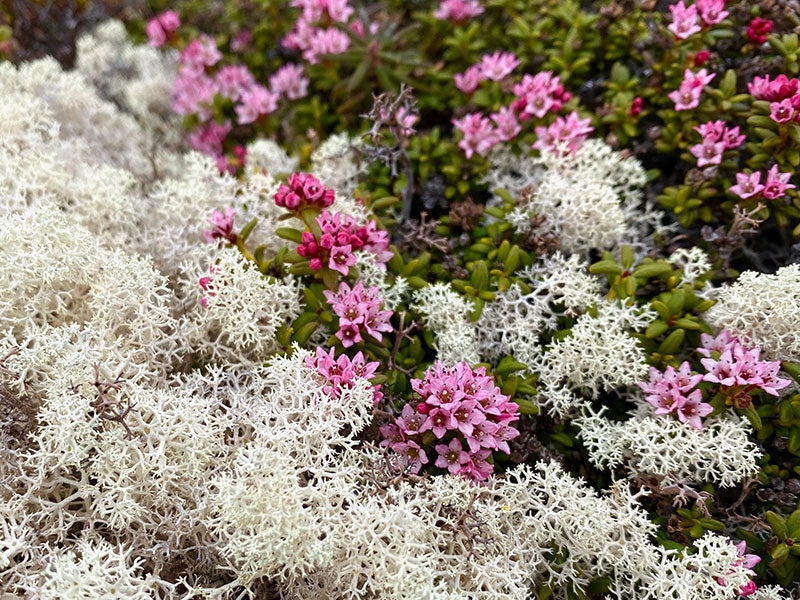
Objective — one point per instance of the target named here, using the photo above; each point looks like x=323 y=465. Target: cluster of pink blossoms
x=716 y=139
x=732 y=365
x=686 y=21
x=458 y=10
x=758 y=30
x=311 y=34
x=534 y=96
x=674 y=392
x=783 y=95
x=162 y=27
x=207 y=285
x=462 y=417
x=493 y=67
x=687 y=96
x=340 y=237
x=340 y=373
x=303 y=191
x=750 y=186
x=198 y=83
x=736 y=368
x=359 y=310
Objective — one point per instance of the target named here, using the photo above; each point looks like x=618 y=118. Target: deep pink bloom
x=539 y=94
x=161 y=27
x=342 y=372
x=222 y=226
x=758 y=29
x=747 y=185
x=776 y=183
x=636 y=106
x=782 y=112
x=701 y=58
x=358 y=309
x=341 y=259
x=301 y=191
x=452 y=456
x=711 y=11
x=684 y=20
x=692 y=410
x=209 y=138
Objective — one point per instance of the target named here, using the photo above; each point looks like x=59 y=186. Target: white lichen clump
x=764 y=310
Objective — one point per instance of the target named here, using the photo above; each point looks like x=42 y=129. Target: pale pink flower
x=747 y=185
x=467 y=82
x=209 y=138
x=458 y=10
x=452 y=456
x=233 y=81
x=194 y=94
x=684 y=20
x=257 y=101
x=159 y=28
x=497 y=66
x=693 y=410
x=539 y=94
x=565 y=134
x=201 y=52
x=479 y=135
x=708 y=153
x=289 y=81
x=776 y=183
x=508 y=126
x=326 y=41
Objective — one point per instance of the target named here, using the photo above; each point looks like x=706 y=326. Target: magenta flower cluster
x=359 y=311
x=340 y=237
x=727 y=362
x=717 y=138
x=534 y=96
x=303 y=191
x=340 y=373
x=732 y=365
x=461 y=419
x=687 y=96
x=200 y=80
x=315 y=32
x=161 y=27
x=674 y=392
x=748 y=185
x=688 y=20
x=783 y=95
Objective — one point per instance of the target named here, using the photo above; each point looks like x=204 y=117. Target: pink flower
x=693 y=409
x=684 y=20
x=342 y=372
x=200 y=53
x=458 y=10
x=467 y=82
x=781 y=112
x=452 y=456
x=233 y=81
x=731 y=138
x=342 y=259
x=507 y=124
x=636 y=106
x=539 y=94
x=701 y=58
x=758 y=29
x=359 y=309
x=712 y=11
x=194 y=94
x=776 y=183
x=257 y=101
x=479 y=135
x=747 y=185
x=303 y=191
x=222 y=226
x=289 y=81
x=497 y=66
x=326 y=41
x=161 y=27
x=708 y=153
x=687 y=96
x=565 y=134
x=209 y=138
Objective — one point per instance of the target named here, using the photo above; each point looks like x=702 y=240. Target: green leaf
x=752 y=415
x=778 y=525
x=302 y=334
x=655 y=329
x=652 y=270
x=508 y=365
x=289 y=233
x=605 y=267
x=480 y=275
x=793 y=524
x=247 y=230
x=794 y=440
x=526 y=407
x=673 y=342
